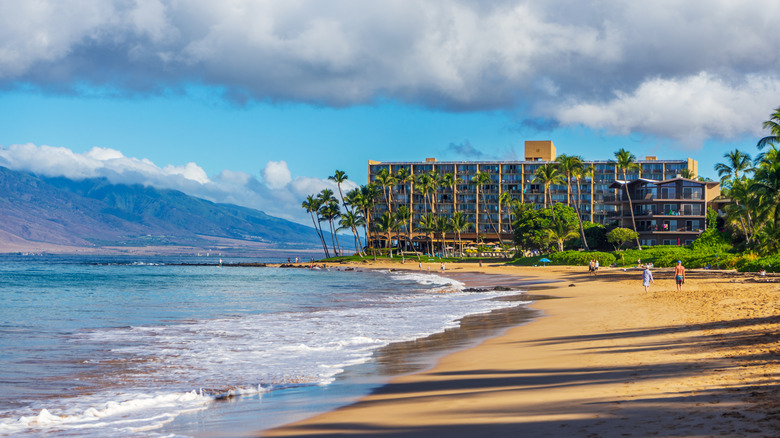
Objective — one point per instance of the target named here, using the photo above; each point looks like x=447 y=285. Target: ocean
x=150 y=346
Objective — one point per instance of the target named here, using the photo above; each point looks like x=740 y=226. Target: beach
x=605 y=359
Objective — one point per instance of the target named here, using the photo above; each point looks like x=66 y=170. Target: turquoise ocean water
x=121 y=346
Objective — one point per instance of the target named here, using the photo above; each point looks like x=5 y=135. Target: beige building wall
x=539 y=150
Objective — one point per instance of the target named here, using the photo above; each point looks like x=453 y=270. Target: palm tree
x=387 y=180
x=561 y=231
x=427 y=225
x=736 y=162
x=481 y=179
x=312 y=206
x=329 y=212
x=740 y=192
x=773 y=125
x=458 y=223
x=351 y=220
x=687 y=173
x=548 y=174
x=506 y=200
x=386 y=224
x=626 y=161
x=403 y=215
x=423 y=186
x=568 y=164
x=435 y=182
x=442 y=225
x=579 y=171
x=339 y=177
x=451 y=181
x=405 y=177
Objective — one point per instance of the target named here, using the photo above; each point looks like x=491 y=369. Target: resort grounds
x=604 y=359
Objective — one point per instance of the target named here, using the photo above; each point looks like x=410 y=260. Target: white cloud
x=537 y=56
x=280 y=196
x=689 y=109
x=276 y=174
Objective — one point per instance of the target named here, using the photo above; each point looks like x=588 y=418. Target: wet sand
x=605 y=360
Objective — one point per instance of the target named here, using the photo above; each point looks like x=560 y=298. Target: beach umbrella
x=544 y=260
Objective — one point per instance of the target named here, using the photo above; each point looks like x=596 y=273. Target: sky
x=257 y=102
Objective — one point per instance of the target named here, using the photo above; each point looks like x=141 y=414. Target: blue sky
x=257 y=102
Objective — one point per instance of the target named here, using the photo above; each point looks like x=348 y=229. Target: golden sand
x=606 y=360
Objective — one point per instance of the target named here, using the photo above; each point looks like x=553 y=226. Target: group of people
x=679 y=276
x=593 y=266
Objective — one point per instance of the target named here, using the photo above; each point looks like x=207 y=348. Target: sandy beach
x=605 y=360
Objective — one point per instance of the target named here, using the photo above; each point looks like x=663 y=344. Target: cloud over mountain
x=586 y=63
x=279 y=194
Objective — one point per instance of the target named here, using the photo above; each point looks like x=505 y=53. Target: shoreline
x=606 y=360
x=238 y=417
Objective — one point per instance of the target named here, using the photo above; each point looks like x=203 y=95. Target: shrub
x=769 y=263
x=581 y=258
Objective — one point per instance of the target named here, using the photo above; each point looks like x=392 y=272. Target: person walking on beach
x=647 y=278
x=592 y=267
x=679 y=275
x=442 y=266
x=596 y=266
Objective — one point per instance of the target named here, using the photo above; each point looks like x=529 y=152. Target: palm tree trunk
x=579 y=218
x=631 y=209
x=319 y=234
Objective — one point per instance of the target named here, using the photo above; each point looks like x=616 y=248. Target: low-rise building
x=669 y=212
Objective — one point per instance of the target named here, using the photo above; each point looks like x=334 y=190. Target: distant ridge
x=95 y=213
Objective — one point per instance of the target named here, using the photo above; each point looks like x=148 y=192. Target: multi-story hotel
x=595 y=194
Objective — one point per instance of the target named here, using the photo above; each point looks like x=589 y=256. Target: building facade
x=670 y=212
x=518 y=179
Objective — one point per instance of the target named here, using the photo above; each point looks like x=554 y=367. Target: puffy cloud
x=689 y=109
x=276 y=174
x=543 y=58
x=280 y=195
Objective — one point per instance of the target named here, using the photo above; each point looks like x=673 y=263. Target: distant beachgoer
x=647 y=278
x=480 y=263
x=442 y=266
x=679 y=275
x=403 y=260
x=596 y=266
x=419 y=265
x=592 y=266
x=220 y=262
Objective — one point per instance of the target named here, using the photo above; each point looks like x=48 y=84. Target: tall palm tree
x=435 y=183
x=427 y=225
x=481 y=179
x=736 y=162
x=740 y=192
x=386 y=224
x=579 y=171
x=312 y=206
x=773 y=125
x=625 y=161
x=548 y=174
x=442 y=225
x=329 y=212
x=458 y=224
x=567 y=165
x=451 y=181
x=351 y=220
x=506 y=200
x=406 y=178
x=403 y=215
x=339 y=177
x=387 y=180
x=423 y=186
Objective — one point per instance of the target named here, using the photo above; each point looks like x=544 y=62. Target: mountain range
x=61 y=213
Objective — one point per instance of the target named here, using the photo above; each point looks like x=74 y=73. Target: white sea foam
x=181 y=367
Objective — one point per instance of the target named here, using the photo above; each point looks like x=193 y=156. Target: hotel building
x=596 y=194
